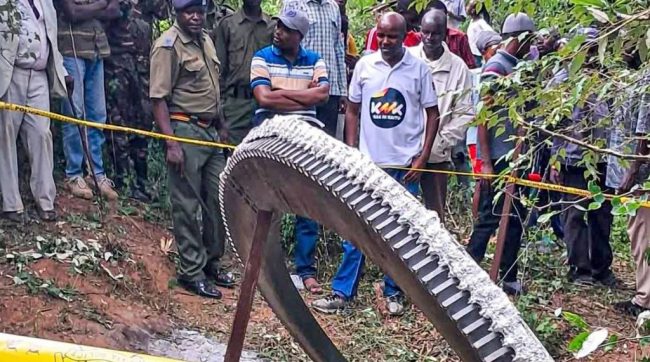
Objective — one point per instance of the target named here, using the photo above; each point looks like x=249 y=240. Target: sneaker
x=19 y=217
x=395 y=305
x=107 y=188
x=79 y=188
x=513 y=288
x=582 y=279
x=607 y=279
x=330 y=304
x=630 y=308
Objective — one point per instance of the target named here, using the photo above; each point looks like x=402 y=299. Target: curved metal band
x=287 y=166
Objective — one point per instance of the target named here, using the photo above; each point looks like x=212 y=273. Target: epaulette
x=168 y=38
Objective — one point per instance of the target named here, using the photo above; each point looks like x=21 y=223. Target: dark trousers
x=488 y=222
x=587 y=238
x=434 y=188
x=328 y=113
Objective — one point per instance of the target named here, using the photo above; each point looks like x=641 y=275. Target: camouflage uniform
x=127 y=87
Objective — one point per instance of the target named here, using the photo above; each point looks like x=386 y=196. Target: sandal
x=312 y=285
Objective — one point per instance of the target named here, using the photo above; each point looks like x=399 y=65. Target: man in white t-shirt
x=391 y=90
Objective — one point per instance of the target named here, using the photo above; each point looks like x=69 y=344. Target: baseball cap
x=486 y=39
x=518 y=23
x=295 y=20
x=591 y=34
x=184 y=4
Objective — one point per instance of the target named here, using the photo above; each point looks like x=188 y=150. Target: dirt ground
x=121 y=299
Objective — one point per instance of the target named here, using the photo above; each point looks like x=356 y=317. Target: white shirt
x=456 y=7
x=473 y=30
x=453 y=83
x=392 y=100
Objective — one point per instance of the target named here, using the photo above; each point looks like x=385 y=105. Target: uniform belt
x=182 y=117
x=243 y=92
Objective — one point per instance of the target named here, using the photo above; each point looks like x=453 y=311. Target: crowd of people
x=409 y=101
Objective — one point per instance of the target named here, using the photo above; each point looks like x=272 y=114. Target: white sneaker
x=395 y=305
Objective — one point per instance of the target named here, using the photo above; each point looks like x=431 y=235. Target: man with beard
x=184 y=89
x=286 y=78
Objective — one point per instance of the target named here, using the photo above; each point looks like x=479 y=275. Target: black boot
x=139 y=191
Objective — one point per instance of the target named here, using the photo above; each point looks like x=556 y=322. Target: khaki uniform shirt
x=185 y=73
x=237 y=38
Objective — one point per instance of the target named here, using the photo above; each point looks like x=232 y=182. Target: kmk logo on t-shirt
x=387 y=108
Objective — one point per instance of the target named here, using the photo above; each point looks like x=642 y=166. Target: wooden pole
x=505 y=219
x=247 y=288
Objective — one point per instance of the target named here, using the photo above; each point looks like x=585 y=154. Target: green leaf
x=611 y=343
x=545 y=218
x=646 y=255
x=576 y=321
x=593 y=187
x=594 y=3
x=616 y=202
x=576 y=343
x=645 y=341
x=599 y=198
x=576 y=63
x=602 y=48
x=594 y=206
x=599 y=15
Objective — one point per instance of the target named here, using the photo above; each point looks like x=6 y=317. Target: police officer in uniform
x=237 y=37
x=184 y=89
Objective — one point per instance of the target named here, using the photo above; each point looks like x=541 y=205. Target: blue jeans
x=90 y=104
x=306 y=238
x=346 y=280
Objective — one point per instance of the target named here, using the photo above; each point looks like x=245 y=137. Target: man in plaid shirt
x=324 y=37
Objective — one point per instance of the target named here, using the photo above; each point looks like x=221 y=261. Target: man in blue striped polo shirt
x=288 y=79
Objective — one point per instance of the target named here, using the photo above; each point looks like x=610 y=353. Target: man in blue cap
x=289 y=79
x=184 y=89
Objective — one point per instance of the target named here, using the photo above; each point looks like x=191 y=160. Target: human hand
x=351 y=61
x=175 y=156
x=554 y=176
x=488 y=170
x=224 y=135
x=628 y=182
x=418 y=163
x=69 y=85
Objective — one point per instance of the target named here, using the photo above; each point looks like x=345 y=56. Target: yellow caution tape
x=110 y=127
x=25 y=349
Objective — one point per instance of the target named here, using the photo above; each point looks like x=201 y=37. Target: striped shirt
x=325 y=38
x=269 y=67
x=84 y=39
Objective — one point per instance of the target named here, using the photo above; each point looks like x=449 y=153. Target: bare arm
x=430 y=131
x=76 y=13
x=352 y=123
x=313 y=96
x=275 y=100
x=484 y=146
x=161 y=116
x=111 y=11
